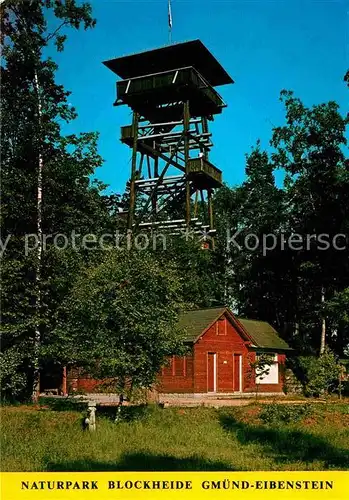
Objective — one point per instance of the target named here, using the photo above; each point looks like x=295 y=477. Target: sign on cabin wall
x=272 y=377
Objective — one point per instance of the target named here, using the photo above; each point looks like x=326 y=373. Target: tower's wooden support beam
x=159 y=181
x=210 y=214
x=166 y=223
x=186 y=120
x=171 y=179
x=156 y=153
x=133 y=170
x=172 y=135
x=168 y=124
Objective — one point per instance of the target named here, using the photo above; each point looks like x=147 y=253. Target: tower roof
x=179 y=55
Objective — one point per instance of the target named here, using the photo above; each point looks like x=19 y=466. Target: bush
x=284 y=413
x=127 y=413
x=345 y=388
x=320 y=375
x=63 y=404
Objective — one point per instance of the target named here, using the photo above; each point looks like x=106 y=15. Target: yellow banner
x=174 y=485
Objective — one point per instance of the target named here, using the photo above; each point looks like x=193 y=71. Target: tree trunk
x=37 y=332
x=323 y=323
x=296 y=330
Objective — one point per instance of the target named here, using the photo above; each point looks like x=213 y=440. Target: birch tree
x=37 y=163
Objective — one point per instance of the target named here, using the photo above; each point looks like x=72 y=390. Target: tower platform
x=171 y=91
x=172 y=74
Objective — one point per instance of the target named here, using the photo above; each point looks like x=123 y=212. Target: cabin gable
x=223 y=330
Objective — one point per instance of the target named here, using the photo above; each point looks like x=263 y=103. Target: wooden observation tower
x=171 y=92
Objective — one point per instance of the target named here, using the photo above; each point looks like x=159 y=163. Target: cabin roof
x=260 y=333
x=197 y=321
x=175 y=56
x=263 y=334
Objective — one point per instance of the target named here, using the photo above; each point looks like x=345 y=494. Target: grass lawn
x=253 y=437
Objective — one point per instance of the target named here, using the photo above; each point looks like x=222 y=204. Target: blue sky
x=264 y=45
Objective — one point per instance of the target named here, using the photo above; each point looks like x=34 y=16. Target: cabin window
x=179 y=366
x=272 y=374
x=189 y=365
x=167 y=370
x=221 y=326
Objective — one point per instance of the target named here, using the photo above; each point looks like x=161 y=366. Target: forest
x=281 y=251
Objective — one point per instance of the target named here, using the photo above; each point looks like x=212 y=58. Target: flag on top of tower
x=169 y=14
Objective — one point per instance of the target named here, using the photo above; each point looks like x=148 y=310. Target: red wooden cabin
x=221 y=350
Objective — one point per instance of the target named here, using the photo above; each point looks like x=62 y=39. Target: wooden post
x=186 y=120
x=196 y=203
x=210 y=207
x=156 y=166
x=156 y=174
x=141 y=166
x=133 y=171
x=64 y=382
x=210 y=214
x=205 y=130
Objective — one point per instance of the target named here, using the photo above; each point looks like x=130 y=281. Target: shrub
x=345 y=388
x=284 y=413
x=320 y=375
